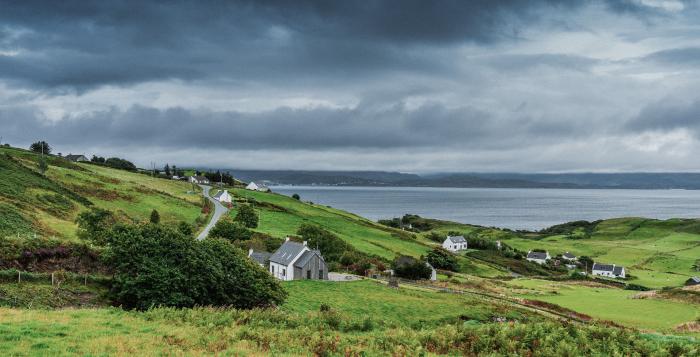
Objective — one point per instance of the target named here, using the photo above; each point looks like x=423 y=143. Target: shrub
x=227 y=229
x=155 y=217
x=332 y=248
x=156 y=265
x=40 y=147
x=296 y=197
x=93 y=225
x=247 y=217
x=410 y=268
x=440 y=258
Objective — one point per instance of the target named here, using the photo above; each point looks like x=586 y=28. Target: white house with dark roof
x=455 y=243
x=223 y=196
x=568 y=256
x=77 y=158
x=296 y=261
x=608 y=270
x=538 y=257
x=199 y=180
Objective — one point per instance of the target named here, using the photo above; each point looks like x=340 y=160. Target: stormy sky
x=414 y=86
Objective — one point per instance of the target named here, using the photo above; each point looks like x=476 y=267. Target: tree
x=185 y=228
x=97 y=159
x=331 y=246
x=155 y=217
x=122 y=164
x=586 y=262
x=94 y=225
x=43 y=166
x=296 y=196
x=166 y=169
x=227 y=229
x=155 y=265
x=411 y=268
x=41 y=147
x=247 y=217
x=440 y=258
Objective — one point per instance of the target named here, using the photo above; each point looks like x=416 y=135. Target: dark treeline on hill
x=640 y=180
x=114 y=162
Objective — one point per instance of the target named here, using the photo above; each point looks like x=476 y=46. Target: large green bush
x=246 y=216
x=156 y=265
x=440 y=258
x=230 y=230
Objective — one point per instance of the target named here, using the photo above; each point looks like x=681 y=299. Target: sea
x=514 y=208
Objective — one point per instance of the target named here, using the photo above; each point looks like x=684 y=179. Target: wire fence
x=55 y=278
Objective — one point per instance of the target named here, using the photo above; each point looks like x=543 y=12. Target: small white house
x=252 y=186
x=608 y=270
x=223 y=196
x=455 y=243
x=199 y=180
x=568 y=256
x=538 y=257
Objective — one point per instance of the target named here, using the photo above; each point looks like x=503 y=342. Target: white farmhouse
x=568 y=256
x=538 y=257
x=295 y=261
x=608 y=270
x=223 y=196
x=252 y=186
x=455 y=243
x=199 y=180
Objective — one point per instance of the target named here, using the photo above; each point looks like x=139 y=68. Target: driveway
x=219 y=211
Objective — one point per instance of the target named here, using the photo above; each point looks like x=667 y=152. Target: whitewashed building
x=223 y=196
x=296 y=261
x=608 y=270
x=199 y=180
x=455 y=243
x=538 y=257
x=252 y=186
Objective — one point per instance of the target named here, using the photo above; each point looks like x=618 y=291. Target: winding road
x=219 y=211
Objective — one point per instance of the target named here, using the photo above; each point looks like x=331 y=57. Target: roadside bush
x=155 y=265
x=227 y=229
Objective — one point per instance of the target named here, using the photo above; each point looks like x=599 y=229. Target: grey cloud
x=666 y=116
x=80 y=45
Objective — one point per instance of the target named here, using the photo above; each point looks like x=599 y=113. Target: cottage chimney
x=250 y=251
x=286 y=239
x=305 y=243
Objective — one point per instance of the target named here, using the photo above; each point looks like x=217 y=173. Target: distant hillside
x=690 y=181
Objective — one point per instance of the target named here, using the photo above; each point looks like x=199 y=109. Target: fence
x=56 y=278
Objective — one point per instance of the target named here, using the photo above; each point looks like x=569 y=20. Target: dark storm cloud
x=364 y=126
x=668 y=115
x=80 y=45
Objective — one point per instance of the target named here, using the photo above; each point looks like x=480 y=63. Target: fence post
x=52 y=279
x=19 y=276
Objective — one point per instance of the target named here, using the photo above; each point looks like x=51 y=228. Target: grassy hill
x=48 y=205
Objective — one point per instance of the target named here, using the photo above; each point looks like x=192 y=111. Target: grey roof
x=306 y=257
x=287 y=252
x=218 y=194
x=457 y=239
x=695 y=279
x=537 y=255
x=568 y=255
x=261 y=257
x=75 y=157
x=603 y=267
x=617 y=270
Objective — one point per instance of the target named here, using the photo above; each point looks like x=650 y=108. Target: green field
x=655 y=253
x=611 y=304
x=281 y=216
x=132 y=196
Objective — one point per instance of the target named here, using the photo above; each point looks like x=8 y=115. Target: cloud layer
x=405 y=85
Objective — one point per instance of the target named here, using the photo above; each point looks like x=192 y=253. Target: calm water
x=511 y=208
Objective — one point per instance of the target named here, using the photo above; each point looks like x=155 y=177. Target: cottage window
x=272 y=269
x=284 y=272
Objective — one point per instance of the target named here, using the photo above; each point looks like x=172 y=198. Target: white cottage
x=252 y=186
x=455 y=243
x=296 y=261
x=223 y=196
x=608 y=270
x=538 y=257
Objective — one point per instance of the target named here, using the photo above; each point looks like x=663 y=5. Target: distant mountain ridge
x=639 y=180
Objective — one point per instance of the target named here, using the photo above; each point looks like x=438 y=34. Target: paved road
x=219 y=211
